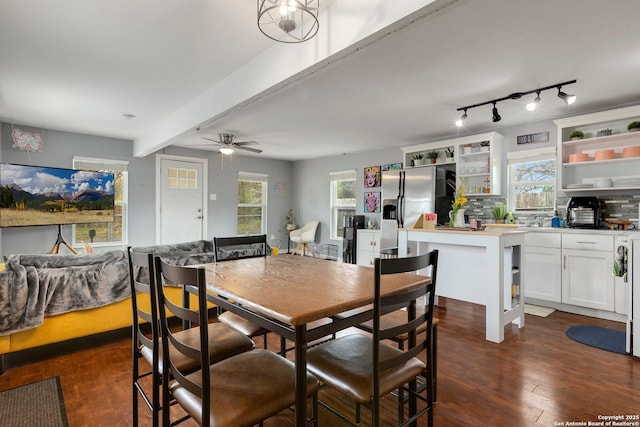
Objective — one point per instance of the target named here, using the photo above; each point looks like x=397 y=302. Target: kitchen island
x=478 y=267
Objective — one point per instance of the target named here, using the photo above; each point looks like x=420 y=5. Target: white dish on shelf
x=576 y=186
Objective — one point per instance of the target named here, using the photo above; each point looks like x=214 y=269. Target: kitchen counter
x=601 y=231
x=478 y=267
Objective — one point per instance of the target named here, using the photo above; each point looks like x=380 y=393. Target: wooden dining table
x=289 y=294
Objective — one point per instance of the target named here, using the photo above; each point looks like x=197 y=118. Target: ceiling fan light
x=226 y=150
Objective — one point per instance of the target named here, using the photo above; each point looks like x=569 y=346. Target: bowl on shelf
x=578 y=157
x=603 y=182
x=604 y=154
x=633 y=151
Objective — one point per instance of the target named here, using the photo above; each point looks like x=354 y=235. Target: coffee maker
x=583 y=212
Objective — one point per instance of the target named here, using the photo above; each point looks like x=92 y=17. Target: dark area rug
x=37 y=404
x=602 y=338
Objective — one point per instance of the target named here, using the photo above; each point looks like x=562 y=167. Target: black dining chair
x=364 y=368
x=146 y=337
x=241 y=390
x=228 y=248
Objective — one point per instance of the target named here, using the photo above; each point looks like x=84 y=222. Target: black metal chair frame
x=387 y=304
x=223 y=242
x=139 y=338
x=193 y=281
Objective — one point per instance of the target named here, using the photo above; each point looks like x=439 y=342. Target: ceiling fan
x=228 y=144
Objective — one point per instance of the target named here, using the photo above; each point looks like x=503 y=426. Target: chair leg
x=434 y=361
x=306 y=245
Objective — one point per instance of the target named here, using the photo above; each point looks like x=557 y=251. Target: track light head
x=496 y=117
x=462 y=118
x=567 y=98
x=533 y=104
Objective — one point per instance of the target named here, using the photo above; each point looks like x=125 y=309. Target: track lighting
x=496 y=117
x=567 y=98
x=533 y=104
x=462 y=118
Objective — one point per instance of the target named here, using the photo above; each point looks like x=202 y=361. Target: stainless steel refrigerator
x=405 y=195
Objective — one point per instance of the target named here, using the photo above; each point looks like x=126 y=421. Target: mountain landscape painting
x=36 y=195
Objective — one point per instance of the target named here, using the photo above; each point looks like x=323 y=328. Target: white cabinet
x=543 y=266
x=606 y=158
x=368 y=246
x=478 y=160
x=586 y=271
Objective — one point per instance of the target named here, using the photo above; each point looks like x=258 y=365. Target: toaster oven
x=583 y=212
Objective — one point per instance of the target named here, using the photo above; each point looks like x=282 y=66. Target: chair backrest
x=227 y=248
x=406 y=300
x=194 y=281
x=307 y=232
x=142 y=279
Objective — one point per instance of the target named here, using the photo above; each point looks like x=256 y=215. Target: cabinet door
x=587 y=280
x=368 y=246
x=543 y=268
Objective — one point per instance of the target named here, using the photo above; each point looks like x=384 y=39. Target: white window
x=343 y=200
x=105 y=233
x=252 y=203
x=532 y=180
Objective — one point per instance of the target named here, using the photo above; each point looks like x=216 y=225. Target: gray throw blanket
x=34 y=286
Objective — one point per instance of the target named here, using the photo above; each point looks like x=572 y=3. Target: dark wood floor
x=536 y=377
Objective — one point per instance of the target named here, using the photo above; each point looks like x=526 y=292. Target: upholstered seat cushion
x=245 y=389
x=224 y=342
x=241 y=324
x=346 y=364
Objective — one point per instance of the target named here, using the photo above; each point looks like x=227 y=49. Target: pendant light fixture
x=288 y=21
x=495 y=116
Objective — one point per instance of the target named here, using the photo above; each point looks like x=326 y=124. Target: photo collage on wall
x=373 y=179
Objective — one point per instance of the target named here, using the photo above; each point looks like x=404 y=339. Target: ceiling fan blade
x=246 y=143
x=253 y=150
x=209 y=139
x=204 y=144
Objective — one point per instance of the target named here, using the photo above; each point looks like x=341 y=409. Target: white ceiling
x=78 y=65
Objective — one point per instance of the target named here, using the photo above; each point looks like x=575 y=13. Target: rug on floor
x=37 y=404
x=602 y=338
x=536 y=310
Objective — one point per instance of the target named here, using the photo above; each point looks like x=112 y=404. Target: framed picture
x=372 y=202
x=372 y=177
x=392 y=167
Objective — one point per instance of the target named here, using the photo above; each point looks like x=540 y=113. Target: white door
x=181 y=209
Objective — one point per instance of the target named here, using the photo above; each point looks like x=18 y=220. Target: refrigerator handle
x=398 y=210
x=400 y=216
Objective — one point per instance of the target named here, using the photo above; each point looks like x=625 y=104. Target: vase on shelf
x=456 y=218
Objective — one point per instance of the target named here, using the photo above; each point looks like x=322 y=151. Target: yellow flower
x=460 y=199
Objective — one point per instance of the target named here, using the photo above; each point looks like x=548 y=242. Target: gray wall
x=312 y=190
x=60 y=147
